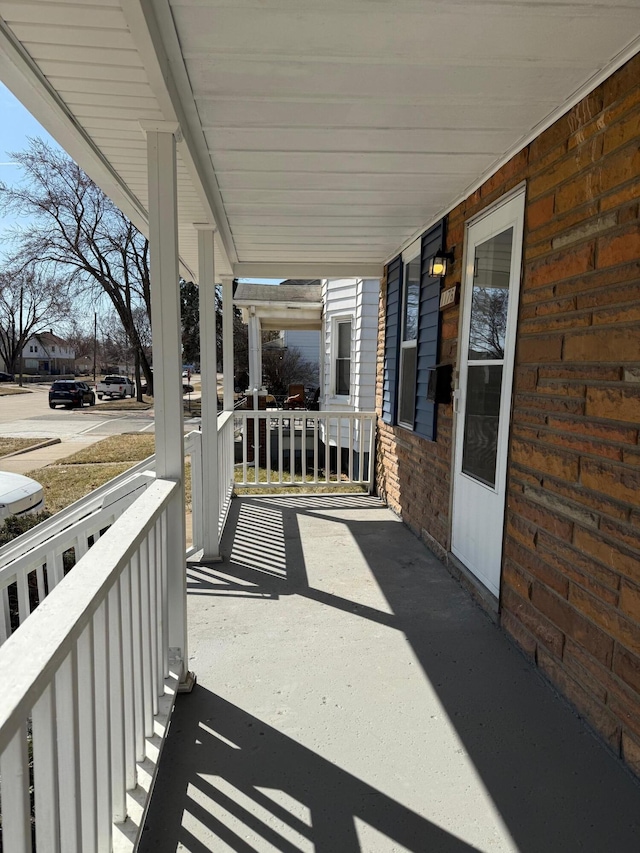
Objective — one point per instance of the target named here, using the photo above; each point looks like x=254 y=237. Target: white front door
x=483 y=400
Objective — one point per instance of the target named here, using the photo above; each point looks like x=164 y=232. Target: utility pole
x=20 y=338
x=95 y=343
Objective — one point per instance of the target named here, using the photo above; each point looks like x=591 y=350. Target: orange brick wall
x=571 y=568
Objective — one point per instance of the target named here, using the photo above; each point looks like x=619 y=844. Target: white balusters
x=14 y=772
x=345 y=438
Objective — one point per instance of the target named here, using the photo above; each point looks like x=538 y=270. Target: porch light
x=438 y=264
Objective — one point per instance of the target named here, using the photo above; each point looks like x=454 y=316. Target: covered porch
x=351 y=697
x=311 y=140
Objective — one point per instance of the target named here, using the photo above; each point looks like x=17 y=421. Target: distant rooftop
x=292 y=290
x=293 y=304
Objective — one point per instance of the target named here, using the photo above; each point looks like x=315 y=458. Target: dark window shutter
x=392 y=342
x=428 y=333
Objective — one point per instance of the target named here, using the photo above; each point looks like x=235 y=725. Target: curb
x=46 y=443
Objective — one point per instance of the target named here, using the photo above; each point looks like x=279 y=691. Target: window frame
x=335 y=343
x=410 y=254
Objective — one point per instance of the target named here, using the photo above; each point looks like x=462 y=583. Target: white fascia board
x=592 y=83
x=302 y=270
x=23 y=77
x=275 y=305
x=152 y=29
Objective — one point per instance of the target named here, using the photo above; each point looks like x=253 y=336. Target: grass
x=130 y=447
x=64 y=484
x=127 y=405
x=10 y=445
x=74 y=477
x=301 y=486
x=10 y=392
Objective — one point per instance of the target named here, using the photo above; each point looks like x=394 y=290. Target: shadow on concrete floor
x=555 y=787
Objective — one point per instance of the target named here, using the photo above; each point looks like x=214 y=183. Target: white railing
x=108 y=494
x=193 y=447
x=35 y=562
x=81 y=694
x=225 y=467
x=30 y=568
x=294 y=448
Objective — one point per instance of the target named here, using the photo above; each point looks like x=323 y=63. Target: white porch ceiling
x=319 y=135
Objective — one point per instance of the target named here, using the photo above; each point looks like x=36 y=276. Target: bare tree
x=75 y=226
x=488 y=322
x=281 y=368
x=32 y=299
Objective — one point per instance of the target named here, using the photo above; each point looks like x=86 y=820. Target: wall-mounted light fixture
x=438 y=263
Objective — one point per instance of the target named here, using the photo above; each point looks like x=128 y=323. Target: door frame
x=509 y=365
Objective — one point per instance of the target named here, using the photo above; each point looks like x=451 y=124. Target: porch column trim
x=227 y=341
x=167 y=349
x=209 y=377
x=255 y=355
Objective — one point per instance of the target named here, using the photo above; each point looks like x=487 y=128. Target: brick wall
x=571 y=569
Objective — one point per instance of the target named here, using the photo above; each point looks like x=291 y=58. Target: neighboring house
x=526 y=480
x=349 y=340
x=346 y=313
x=83 y=365
x=48 y=355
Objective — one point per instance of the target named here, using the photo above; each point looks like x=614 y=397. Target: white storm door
x=487 y=343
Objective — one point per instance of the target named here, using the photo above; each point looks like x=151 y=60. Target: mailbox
x=439 y=389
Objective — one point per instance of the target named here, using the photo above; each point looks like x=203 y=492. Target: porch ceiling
x=319 y=135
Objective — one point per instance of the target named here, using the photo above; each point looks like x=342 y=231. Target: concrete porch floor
x=352 y=697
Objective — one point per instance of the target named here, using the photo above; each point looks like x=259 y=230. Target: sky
x=16 y=126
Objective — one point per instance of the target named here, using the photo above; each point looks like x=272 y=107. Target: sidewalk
x=32 y=459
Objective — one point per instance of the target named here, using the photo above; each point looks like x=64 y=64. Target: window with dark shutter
x=391 y=342
x=428 y=333
x=412 y=332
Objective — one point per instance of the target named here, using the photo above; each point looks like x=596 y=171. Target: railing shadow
x=237 y=781
x=555 y=786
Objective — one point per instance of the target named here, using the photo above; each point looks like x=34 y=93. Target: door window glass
x=484 y=383
x=487 y=334
x=490 y=298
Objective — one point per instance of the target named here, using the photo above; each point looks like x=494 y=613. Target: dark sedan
x=6 y=377
x=68 y=393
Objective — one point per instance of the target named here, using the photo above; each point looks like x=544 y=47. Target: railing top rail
x=33 y=654
x=225 y=417
x=302 y=413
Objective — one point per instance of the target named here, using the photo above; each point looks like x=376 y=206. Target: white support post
x=227 y=342
x=167 y=370
x=255 y=356
x=208 y=372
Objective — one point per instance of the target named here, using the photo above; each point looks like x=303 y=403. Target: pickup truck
x=115 y=386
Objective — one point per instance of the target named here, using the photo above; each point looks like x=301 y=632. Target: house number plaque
x=450 y=296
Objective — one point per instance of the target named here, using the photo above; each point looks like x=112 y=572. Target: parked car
x=19 y=495
x=70 y=393
x=116 y=386
x=6 y=377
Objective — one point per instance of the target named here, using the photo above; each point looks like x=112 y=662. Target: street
x=29 y=416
